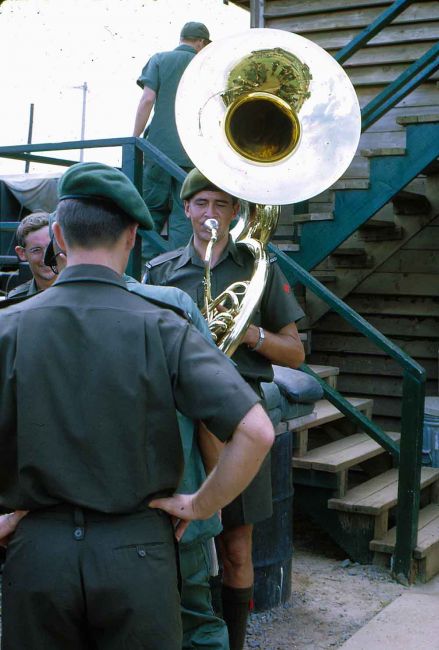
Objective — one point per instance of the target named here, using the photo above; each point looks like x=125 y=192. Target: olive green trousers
x=78 y=580
x=201 y=627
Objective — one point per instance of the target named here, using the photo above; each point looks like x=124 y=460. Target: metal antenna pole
x=84 y=88
x=29 y=135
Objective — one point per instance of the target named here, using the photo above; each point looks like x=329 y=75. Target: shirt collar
x=186 y=48
x=90 y=273
x=32 y=287
x=190 y=255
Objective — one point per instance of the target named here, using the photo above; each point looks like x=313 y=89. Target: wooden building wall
x=332 y=24
x=401 y=298
x=402 y=301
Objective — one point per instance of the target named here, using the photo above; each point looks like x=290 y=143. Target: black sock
x=236 y=605
x=216 y=585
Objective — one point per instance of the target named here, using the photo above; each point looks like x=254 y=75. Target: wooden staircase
x=353 y=226
x=346 y=483
x=386 y=270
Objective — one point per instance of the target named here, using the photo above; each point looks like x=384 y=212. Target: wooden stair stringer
x=388 y=175
x=346 y=280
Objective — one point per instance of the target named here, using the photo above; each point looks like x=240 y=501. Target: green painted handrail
x=409 y=454
x=407 y=81
x=372 y=30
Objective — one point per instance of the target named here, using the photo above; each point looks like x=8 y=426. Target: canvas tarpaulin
x=34 y=191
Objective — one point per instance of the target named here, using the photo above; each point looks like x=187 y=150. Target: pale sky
x=50 y=47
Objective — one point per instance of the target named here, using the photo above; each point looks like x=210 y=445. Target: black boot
x=236 y=605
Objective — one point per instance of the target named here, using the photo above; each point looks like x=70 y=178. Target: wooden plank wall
x=402 y=301
x=402 y=298
x=332 y=24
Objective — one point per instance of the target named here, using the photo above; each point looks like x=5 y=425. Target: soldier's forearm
x=238 y=463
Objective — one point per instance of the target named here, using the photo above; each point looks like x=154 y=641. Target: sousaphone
x=270 y=117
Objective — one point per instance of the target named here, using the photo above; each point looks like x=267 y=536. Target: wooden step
x=384 y=151
x=379 y=493
x=411 y=203
x=324 y=411
x=325 y=277
x=351 y=184
x=426 y=553
x=304 y=217
x=428 y=533
x=417 y=119
x=345 y=257
x=342 y=454
x=328 y=373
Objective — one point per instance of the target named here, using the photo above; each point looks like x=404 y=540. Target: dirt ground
x=331 y=598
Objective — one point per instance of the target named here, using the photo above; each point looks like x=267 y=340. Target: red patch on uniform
x=286 y=288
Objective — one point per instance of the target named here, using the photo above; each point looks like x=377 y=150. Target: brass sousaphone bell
x=270 y=117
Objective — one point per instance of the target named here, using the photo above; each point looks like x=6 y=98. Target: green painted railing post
x=132 y=166
x=409 y=475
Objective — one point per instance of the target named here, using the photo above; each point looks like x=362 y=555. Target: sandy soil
x=331 y=598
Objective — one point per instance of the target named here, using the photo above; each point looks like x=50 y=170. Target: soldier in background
x=159 y=80
x=32 y=240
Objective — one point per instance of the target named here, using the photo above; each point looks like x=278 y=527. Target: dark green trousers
x=81 y=581
x=201 y=627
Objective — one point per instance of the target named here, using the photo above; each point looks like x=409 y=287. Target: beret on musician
x=193 y=183
x=96 y=181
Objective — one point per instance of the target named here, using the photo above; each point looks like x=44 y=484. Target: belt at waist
x=67 y=511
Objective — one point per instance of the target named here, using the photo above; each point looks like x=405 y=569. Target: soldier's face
x=210 y=204
x=33 y=251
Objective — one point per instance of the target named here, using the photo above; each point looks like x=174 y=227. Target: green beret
x=93 y=180
x=193 y=183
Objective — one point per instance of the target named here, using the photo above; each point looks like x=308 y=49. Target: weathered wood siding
x=401 y=298
x=402 y=301
x=332 y=24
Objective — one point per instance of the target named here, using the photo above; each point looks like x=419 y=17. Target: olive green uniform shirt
x=184 y=269
x=26 y=289
x=162 y=74
x=194 y=472
x=91 y=376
